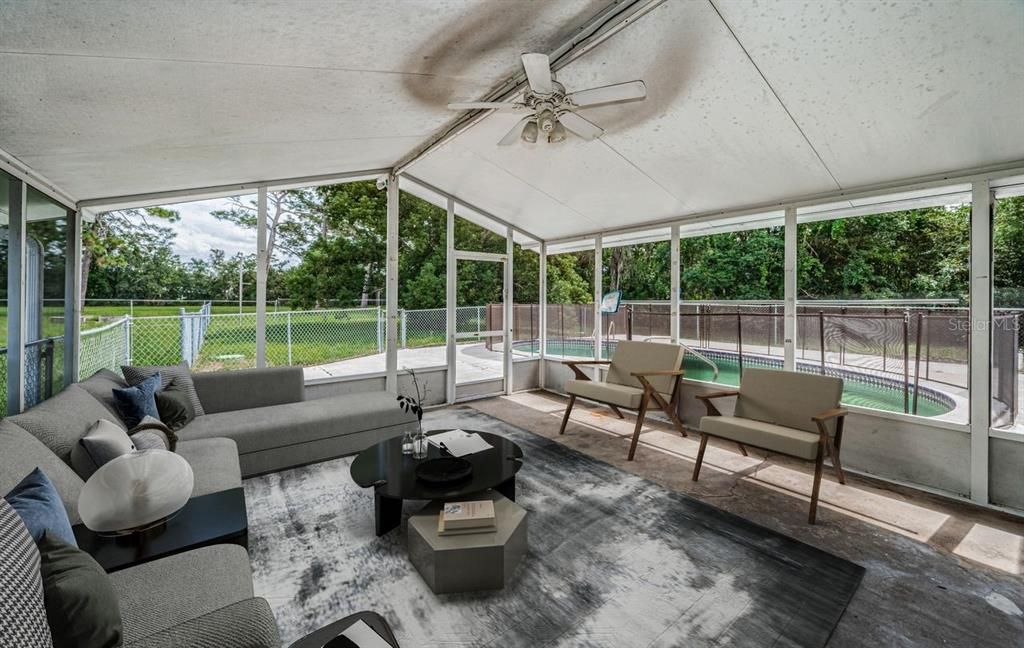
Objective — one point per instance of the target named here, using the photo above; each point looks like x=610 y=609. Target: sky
x=198 y=232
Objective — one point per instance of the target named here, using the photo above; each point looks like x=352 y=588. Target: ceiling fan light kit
x=552 y=110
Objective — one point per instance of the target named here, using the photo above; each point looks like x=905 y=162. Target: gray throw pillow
x=104 y=441
x=22 y=611
x=150 y=440
x=178 y=372
x=81 y=603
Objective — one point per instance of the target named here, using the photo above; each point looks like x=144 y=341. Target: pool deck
x=474 y=362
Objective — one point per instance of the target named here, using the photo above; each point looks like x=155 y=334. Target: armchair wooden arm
x=718 y=394
x=662 y=372
x=572 y=364
x=829 y=414
x=706 y=399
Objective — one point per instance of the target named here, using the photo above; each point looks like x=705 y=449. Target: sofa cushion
x=245 y=624
x=787 y=398
x=278 y=426
x=214 y=464
x=20 y=452
x=621 y=395
x=81 y=605
x=22 y=611
x=786 y=440
x=104 y=441
x=158 y=595
x=168 y=373
x=226 y=391
x=59 y=422
x=101 y=386
x=38 y=503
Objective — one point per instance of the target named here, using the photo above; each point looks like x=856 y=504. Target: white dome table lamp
x=135 y=492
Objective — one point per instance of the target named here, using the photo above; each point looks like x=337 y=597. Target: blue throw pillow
x=40 y=507
x=138 y=402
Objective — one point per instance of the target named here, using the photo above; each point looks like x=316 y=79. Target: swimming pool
x=859 y=389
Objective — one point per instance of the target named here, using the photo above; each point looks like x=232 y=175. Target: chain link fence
x=908 y=348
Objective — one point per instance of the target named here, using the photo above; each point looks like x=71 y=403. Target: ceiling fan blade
x=628 y=91
x=585 y=129
x=482 y=105
x=516 y=133
x=538 y=72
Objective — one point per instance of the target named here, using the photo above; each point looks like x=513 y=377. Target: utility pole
x=241 y=268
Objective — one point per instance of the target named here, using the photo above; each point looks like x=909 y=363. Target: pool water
x=860 y=394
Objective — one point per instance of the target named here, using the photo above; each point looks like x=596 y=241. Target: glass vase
x=407 y=441
x=419 y=445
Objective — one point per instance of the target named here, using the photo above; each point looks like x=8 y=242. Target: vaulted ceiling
x=748 y=102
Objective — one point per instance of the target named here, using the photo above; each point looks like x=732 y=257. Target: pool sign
x=610 y=302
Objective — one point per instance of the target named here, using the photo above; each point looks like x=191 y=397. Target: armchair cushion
x=785 y=440
x=632 y=356
x=619 y=395
x=787 y=398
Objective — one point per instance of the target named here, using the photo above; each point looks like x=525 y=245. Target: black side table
x=318 y=638
x=217 y=518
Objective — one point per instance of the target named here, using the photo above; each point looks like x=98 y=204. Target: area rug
x=614 y=561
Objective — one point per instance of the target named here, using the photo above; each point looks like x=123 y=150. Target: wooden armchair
x=638 y=373
x=791 y=413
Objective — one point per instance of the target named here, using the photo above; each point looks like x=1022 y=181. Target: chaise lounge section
x=256 y=421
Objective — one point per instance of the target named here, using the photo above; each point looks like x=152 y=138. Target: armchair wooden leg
x=665 y=407
x=818 y=464
x=837 y=465
x=700 y=456
x=617 y=411
x=639 y=424
x=568 y=409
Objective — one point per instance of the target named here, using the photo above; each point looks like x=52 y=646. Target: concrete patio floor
x=472 y=362
x=939 y=572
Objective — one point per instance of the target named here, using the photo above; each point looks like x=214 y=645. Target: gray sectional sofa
x=256 y=421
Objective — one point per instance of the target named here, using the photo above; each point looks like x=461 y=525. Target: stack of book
x=462 y=518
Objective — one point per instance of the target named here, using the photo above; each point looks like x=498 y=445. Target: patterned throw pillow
x=150 y=440
x=138 y=402
x=178 y=372
x=22 y=612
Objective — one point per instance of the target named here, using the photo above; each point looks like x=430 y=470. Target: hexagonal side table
x=468 y=563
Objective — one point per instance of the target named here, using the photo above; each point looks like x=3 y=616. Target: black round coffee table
x=393 y=475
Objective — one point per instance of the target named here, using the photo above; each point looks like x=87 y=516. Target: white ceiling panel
x=710 y=131
x=112 y=97
x=709 y=135
x=597 y=186
x=894 y=90
x=473 y=178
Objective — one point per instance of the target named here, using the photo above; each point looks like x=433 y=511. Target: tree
x=293 y=220
x=115 y=239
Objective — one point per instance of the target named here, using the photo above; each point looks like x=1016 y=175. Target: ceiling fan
x=552 y=109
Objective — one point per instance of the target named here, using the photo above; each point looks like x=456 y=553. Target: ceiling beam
x=602 y=26
x=220 y=191
x=482 y=212
x=933 y=181
x=29 y=176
